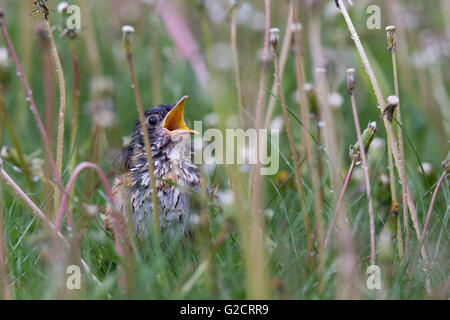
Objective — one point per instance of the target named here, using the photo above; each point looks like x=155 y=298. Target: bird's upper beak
x=174 y=121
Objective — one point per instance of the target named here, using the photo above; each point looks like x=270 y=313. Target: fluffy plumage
x=176 y=175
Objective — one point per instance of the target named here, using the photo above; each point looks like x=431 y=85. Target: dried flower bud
x=310 y=92
x=367 y=138
x=392 y=102
x=446 y=163
x=274 y=37
x=128 y=32
x=391 y=38
x=62 y=7
x=350 y=80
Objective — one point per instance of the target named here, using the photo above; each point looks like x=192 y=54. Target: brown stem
x=30 y=97
x=366 y=179
x=148 y=149
x=402 y=158
x=62 y=112
x=381 y=106
x=284 y=54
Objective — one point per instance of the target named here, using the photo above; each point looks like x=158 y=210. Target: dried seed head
x=233 y=3
x=62 y=7
x=350 y=80
x=68 y=32
x=274 y=37
x=446 y=163
x=392 y=102
x=128 y=32
x=391 y=38
x=367 y=137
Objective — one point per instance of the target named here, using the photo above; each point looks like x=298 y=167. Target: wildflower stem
x=402 y=158
x=284 y=53
x=75 y=104
x=30 y=97
x=366 y=179
x=148 y=150
x=70 y=184
x=381 y=105
x=62 y=113
x=38 y=213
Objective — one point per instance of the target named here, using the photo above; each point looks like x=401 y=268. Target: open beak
x=174 y=121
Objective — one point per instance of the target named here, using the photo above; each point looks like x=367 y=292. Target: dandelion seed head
x=62 y=7
x=127 y=29
x=393 y=100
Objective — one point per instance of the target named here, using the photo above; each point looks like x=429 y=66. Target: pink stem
x=31 y=100
x=185 y=42
x=37 y=212
x=70 y=184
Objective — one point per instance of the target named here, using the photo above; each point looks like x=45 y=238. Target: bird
x=176 y=176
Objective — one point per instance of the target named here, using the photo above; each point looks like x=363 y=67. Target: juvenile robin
x=175 y=174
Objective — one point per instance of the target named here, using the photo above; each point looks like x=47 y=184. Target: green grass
x=32 y=267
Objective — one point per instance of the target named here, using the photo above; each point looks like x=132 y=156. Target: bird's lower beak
x=174 y=121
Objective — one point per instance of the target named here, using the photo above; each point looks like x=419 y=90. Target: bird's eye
x=152 y=121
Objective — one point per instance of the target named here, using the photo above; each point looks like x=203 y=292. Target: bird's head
x=166 y=128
